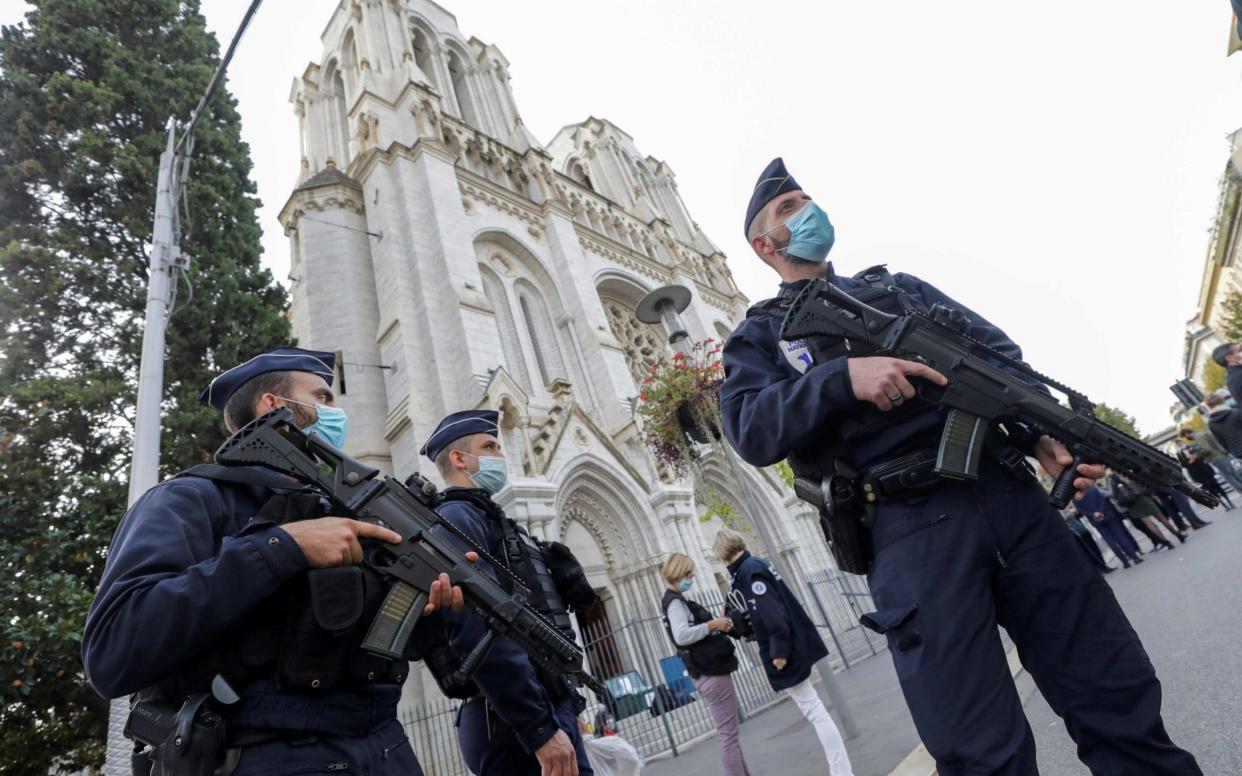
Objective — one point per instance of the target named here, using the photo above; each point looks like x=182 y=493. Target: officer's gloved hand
x=333 y=541
x=557 y=756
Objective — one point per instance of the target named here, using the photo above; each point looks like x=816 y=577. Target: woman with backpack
x=1125 y=498
x=708 y=654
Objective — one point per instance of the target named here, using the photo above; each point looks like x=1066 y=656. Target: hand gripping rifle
x=980 y=392
x=356 y=490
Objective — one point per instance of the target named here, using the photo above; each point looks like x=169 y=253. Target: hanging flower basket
x=689 y=422
x=679 y=404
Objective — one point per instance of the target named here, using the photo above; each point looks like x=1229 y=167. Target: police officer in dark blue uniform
x=951 y=559
x=789 y=644
x=228 y=594
x=518 y=720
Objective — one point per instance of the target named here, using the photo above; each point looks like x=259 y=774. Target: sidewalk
x=779 y=741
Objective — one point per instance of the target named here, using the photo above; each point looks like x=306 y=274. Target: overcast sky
x=1052 y=165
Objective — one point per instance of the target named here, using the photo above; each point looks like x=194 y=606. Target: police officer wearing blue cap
x=518 y=720
x=229 y=596
x=950 y=559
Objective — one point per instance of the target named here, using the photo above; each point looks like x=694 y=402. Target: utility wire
x=376 y=235
x=216 y=78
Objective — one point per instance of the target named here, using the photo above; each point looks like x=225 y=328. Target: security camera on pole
x=664 y=306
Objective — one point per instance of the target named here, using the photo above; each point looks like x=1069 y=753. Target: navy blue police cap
x=316 y=362
x=458 y=425
x=773 y=182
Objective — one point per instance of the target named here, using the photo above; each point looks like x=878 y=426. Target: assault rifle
x=426 y=550
x=985 y=386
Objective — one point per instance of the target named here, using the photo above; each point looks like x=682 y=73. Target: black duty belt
x=915 y=472
x=901 y=477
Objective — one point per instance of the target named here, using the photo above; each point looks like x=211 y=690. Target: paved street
x=1185 y=606
x=780 y=741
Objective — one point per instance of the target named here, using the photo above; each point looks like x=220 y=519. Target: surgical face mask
x=492 y=474
x=685 y=585
x=811 y=234
x=332 y=424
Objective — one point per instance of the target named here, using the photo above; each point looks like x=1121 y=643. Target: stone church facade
x=453 y=261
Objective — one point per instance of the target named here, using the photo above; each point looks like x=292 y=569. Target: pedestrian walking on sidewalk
x=788 y=642
x=708 y=654
x=1100 y=511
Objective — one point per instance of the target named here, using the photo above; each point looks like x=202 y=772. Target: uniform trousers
x=809 y=703
x=1119 y=538
x=488 y=758
x=957 y=561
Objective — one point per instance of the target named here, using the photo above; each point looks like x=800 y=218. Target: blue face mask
x=685 y=585
x=492 y=474
x=811 y=234
x=332 y=424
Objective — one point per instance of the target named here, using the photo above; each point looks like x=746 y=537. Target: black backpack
x=1125 y=495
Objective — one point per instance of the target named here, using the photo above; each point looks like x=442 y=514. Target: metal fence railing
x=837 y=601
x=655 y=705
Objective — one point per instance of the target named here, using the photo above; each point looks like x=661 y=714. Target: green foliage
x=1231 y=317
x=718 y=507
x=1213 y=376
x=1194 y=421
x=1117 y=419
x=785 y=473
x=86 y=87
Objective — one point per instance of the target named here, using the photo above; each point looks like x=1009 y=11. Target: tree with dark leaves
x=86 y=87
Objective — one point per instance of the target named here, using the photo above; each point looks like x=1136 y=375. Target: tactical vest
x=525 y=557
x=881 y=293
x=307 y=636
x=711 y=656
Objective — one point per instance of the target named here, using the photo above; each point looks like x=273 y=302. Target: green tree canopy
x=86 y=87
x=1117 y=419
x=1231 y=317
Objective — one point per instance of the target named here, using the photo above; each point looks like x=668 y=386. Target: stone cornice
x=500 y=198
x=319 y=199
x=366 y=162
x=611 y=249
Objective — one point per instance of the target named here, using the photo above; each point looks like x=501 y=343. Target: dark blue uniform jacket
x=782 y=627
x=186 y=564
x=1233 y=379
x=506 y=677
x=774 y=400
x=1094 y=501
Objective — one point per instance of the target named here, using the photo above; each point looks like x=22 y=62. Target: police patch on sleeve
x=797 y=354
x=758 y=588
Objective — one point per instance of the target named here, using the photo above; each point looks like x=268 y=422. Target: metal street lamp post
x=664 y=306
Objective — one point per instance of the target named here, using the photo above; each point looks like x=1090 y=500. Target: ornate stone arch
x=642 y=344
x=594 y=494
x=533 y=309
x=469 y=101
x=424 y=44
x=333 y=102
x=506 y=325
